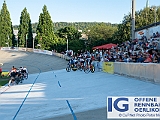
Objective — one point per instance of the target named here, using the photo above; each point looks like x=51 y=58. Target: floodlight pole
x=133 y=19
x=26 y=41
x=67 y=41
x=155 y=16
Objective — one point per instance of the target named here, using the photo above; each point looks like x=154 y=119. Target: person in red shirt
x=148 y=59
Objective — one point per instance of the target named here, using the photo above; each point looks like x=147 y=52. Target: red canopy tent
x=106 y=46
x=96 y=47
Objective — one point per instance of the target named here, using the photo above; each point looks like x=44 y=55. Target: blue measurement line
x=25 y=98
x=59 y=84
x=74 y=116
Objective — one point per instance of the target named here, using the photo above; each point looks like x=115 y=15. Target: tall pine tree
x=45 y=32
x=6 y=31
x=25 y=37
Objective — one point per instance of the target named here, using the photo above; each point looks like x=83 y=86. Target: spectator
x=120 y=59
x=140 y=59
x=147 y=58
x=155 y=59
x=134 y=57
x=125 y=58
x=158 y=56
x=106 y=59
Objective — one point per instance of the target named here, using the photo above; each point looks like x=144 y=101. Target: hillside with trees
x=78 y=25
x=58 y=36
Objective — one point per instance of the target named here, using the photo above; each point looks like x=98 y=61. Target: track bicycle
x=89 y=68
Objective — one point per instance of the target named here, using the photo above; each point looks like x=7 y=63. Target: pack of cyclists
x=17 y=75
x=84 y=61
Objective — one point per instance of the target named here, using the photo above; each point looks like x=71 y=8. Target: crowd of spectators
x=138 y=50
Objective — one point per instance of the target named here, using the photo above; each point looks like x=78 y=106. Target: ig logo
x=115 y=104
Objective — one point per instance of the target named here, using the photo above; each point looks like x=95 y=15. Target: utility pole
x=26 y=40
x=133 y=19
x=67 y=42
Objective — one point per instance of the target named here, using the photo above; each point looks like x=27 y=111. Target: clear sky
x=111 y=11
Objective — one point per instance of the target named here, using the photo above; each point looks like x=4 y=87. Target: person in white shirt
x=25 y=70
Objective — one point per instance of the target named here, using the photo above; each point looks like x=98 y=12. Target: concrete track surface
x=32 y=61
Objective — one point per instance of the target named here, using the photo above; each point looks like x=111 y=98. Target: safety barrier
x=9 y=48
x=51 y=53
x=146 y=71
x=61 y=55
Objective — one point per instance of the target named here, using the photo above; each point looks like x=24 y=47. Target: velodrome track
x=51 y=93
x=34 y=62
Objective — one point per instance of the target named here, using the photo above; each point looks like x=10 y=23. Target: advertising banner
x=145 y=107
x=108 y=67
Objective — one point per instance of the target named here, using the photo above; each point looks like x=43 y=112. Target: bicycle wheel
x=18 y=80
x=68 y=69
x=74 y=69
x=79 y=68
x=86 y=70
x=21 y=78
x=92 y=69
x=26 y=76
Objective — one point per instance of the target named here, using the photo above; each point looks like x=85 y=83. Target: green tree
x=25 y=37
x=70 y=33
x=123 y=32
x=6 y=31
x=45 y=31
x=77 y=45
x=158 y=14
x=61 y=45
x=100 y=34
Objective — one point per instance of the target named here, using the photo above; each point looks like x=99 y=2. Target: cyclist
x=82 y=61
x=71 y=62
x=20 y=69
x=18 y=77
x=75 y=61
x=12 y=75
x=24 y=71
x=88 y=59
